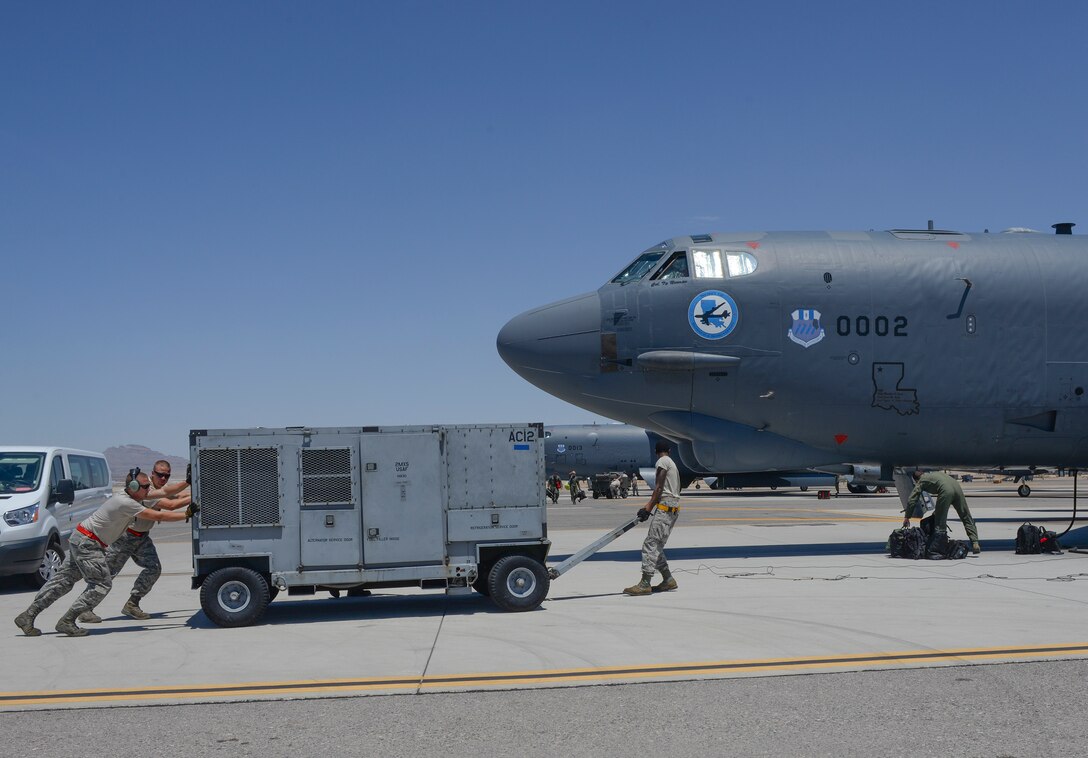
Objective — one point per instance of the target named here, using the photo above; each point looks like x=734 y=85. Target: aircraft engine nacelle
x=865 y=474
x=712 y=445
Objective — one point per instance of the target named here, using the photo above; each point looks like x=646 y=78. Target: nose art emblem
x=713 y=314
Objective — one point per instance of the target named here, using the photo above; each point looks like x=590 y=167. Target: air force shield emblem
x=806 y=330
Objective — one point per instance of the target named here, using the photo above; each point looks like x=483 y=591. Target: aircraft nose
x=563 y=338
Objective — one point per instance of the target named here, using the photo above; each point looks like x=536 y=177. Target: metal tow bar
x=556 y=571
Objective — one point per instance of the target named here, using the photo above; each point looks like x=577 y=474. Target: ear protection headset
x=133 y=486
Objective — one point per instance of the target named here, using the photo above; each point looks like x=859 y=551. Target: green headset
x=133 y=486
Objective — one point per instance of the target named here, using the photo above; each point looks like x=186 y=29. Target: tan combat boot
x=666 y=585
x=642 y=588
x=132 y=610
x=25 y=621
x=975 y=548
x=67 y=625
x=89 y=617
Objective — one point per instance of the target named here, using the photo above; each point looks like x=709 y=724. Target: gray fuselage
x=803 y=349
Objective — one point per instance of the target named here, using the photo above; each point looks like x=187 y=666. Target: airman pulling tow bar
x=554 y=572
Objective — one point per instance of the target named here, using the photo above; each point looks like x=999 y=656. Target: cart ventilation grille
x=239 y=487
x=326 y=476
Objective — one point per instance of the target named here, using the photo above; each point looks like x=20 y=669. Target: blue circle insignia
x=713 y=314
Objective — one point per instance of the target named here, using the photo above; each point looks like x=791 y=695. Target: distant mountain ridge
x=126 y=457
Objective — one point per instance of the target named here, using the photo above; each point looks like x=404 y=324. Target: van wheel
x=518 y=583
x=51 y=560
x=234 y=596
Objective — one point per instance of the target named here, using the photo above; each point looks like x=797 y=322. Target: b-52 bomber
x=768 y=351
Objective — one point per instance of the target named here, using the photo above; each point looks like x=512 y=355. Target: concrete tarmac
x=771 y=584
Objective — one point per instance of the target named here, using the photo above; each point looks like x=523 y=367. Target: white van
x=44 y=493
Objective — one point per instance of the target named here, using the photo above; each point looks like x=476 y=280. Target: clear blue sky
x=220 y=214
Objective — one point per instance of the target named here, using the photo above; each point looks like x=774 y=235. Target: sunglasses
x=145 y=486
x=161 y=474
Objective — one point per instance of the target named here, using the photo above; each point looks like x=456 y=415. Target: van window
x=20 y=472
x=100 y=473
x=81 y=471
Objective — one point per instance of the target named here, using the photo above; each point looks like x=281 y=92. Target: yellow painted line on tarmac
x=597 y=675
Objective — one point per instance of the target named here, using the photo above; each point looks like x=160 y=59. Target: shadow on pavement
x=765 y=551
x=377 y=606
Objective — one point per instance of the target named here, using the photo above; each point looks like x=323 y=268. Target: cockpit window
x=740 y=264
x=676 y=268
x=641 y=266
x=713 y=264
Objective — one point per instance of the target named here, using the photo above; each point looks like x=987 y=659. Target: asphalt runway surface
x=768 y=579
x=1017 y=709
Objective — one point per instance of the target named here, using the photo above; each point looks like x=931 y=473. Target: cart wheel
x=234 y=596
x=1023 y=490
x=518 y=583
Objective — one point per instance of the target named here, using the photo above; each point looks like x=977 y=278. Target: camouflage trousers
x=86 y=560
x=653 y=547
x=143 y=553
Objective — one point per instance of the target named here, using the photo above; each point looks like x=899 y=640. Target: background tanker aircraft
x=771 y=351
x=597 y=448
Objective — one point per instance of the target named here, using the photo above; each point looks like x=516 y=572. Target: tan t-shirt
x=670 y=492
x=144 y=524
x=109 y=521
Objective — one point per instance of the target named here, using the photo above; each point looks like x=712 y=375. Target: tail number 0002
x=863 y=326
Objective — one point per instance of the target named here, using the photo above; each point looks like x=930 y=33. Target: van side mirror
x=65 y=492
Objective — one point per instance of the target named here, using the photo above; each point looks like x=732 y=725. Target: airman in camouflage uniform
x=663 y=510
x=135 y=542
x=86 y=557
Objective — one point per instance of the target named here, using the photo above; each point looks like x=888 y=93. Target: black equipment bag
x=1033 y=540
x=943 y=546
x=1049 y=543
x=1029 y=539
x=908 y=542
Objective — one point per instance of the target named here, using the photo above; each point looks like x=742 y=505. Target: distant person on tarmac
x=86 y=557
x=664 y=509
x=135 y=542
x=553 y=487
x=948 y=492
x=575 y=488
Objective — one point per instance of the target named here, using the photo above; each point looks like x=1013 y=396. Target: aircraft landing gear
x=1023 y=490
